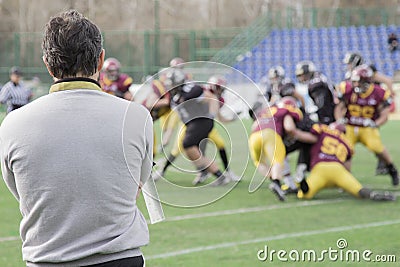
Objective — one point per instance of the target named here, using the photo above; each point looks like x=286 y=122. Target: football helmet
x=304 y=70
x=361 y=78
x=174 y=78
x=112 y=67
x=276 y=74
x=353 y=59
x=176 y=62
x=216 y=84
x=286 y=87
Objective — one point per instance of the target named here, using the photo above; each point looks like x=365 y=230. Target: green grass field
x=237 y=225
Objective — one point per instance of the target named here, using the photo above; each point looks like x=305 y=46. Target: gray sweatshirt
x=73 y=159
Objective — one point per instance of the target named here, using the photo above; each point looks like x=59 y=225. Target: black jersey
x=188 y=102
x=322 y=93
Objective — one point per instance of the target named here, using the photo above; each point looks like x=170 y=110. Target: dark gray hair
x=71 y=45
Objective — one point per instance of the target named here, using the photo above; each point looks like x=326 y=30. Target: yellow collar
x=74 y=83
x=368 y=92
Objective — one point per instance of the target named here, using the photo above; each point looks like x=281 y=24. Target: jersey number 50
x=332 y=146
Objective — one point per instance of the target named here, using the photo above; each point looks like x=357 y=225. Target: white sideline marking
x=10 y=238
x=252 y=209
x=271 y=238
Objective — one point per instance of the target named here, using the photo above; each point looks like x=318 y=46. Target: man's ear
x=101 y=60
x=47 y=66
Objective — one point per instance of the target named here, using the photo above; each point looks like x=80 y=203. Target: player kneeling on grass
x=270 y=125
x=330 y=162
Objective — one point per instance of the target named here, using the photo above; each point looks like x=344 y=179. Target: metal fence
x=141 y=53
x=145 y=52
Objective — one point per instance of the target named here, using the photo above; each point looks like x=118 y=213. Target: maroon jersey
x=161 y=92
x=364 y=105
x=332 y=145
x=118 y=87
x=272 y=118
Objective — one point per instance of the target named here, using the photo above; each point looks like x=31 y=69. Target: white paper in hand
x=152 y=201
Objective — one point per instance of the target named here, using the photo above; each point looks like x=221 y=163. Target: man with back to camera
x=75 y=169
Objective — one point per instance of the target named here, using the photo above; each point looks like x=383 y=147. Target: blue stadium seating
x=326 y=47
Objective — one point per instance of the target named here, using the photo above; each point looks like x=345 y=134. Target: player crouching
x=330 y=163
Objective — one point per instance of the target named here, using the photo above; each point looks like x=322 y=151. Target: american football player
x=322 y=94
x=113 y=81
x=353 y=60
x=365 y=105
x=320 y=90
x=216 y=85
x=197 y=109
x=278 y=86
x=265 y=142
x=330 y=156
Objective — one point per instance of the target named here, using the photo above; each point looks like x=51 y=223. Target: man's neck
x=93 y=77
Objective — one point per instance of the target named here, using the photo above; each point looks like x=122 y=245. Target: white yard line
x=303 y=203
x=252 y=209
x=9 y=238
x=229 y=212
x=271 y=238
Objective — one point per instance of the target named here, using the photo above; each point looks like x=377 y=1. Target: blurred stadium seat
x=325 y=46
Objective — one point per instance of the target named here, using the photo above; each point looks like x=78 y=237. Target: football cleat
x=222 y=180
x=382 y=196
x=276 y=189
x=290 y=186
x=201 y=177
x=394 y=174
x=233 y=176
x=289 y=190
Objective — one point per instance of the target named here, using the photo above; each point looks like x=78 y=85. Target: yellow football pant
x=266 y=145
x=369 y=137
x=327 y=175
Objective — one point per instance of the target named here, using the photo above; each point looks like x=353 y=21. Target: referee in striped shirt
x=14 y=93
